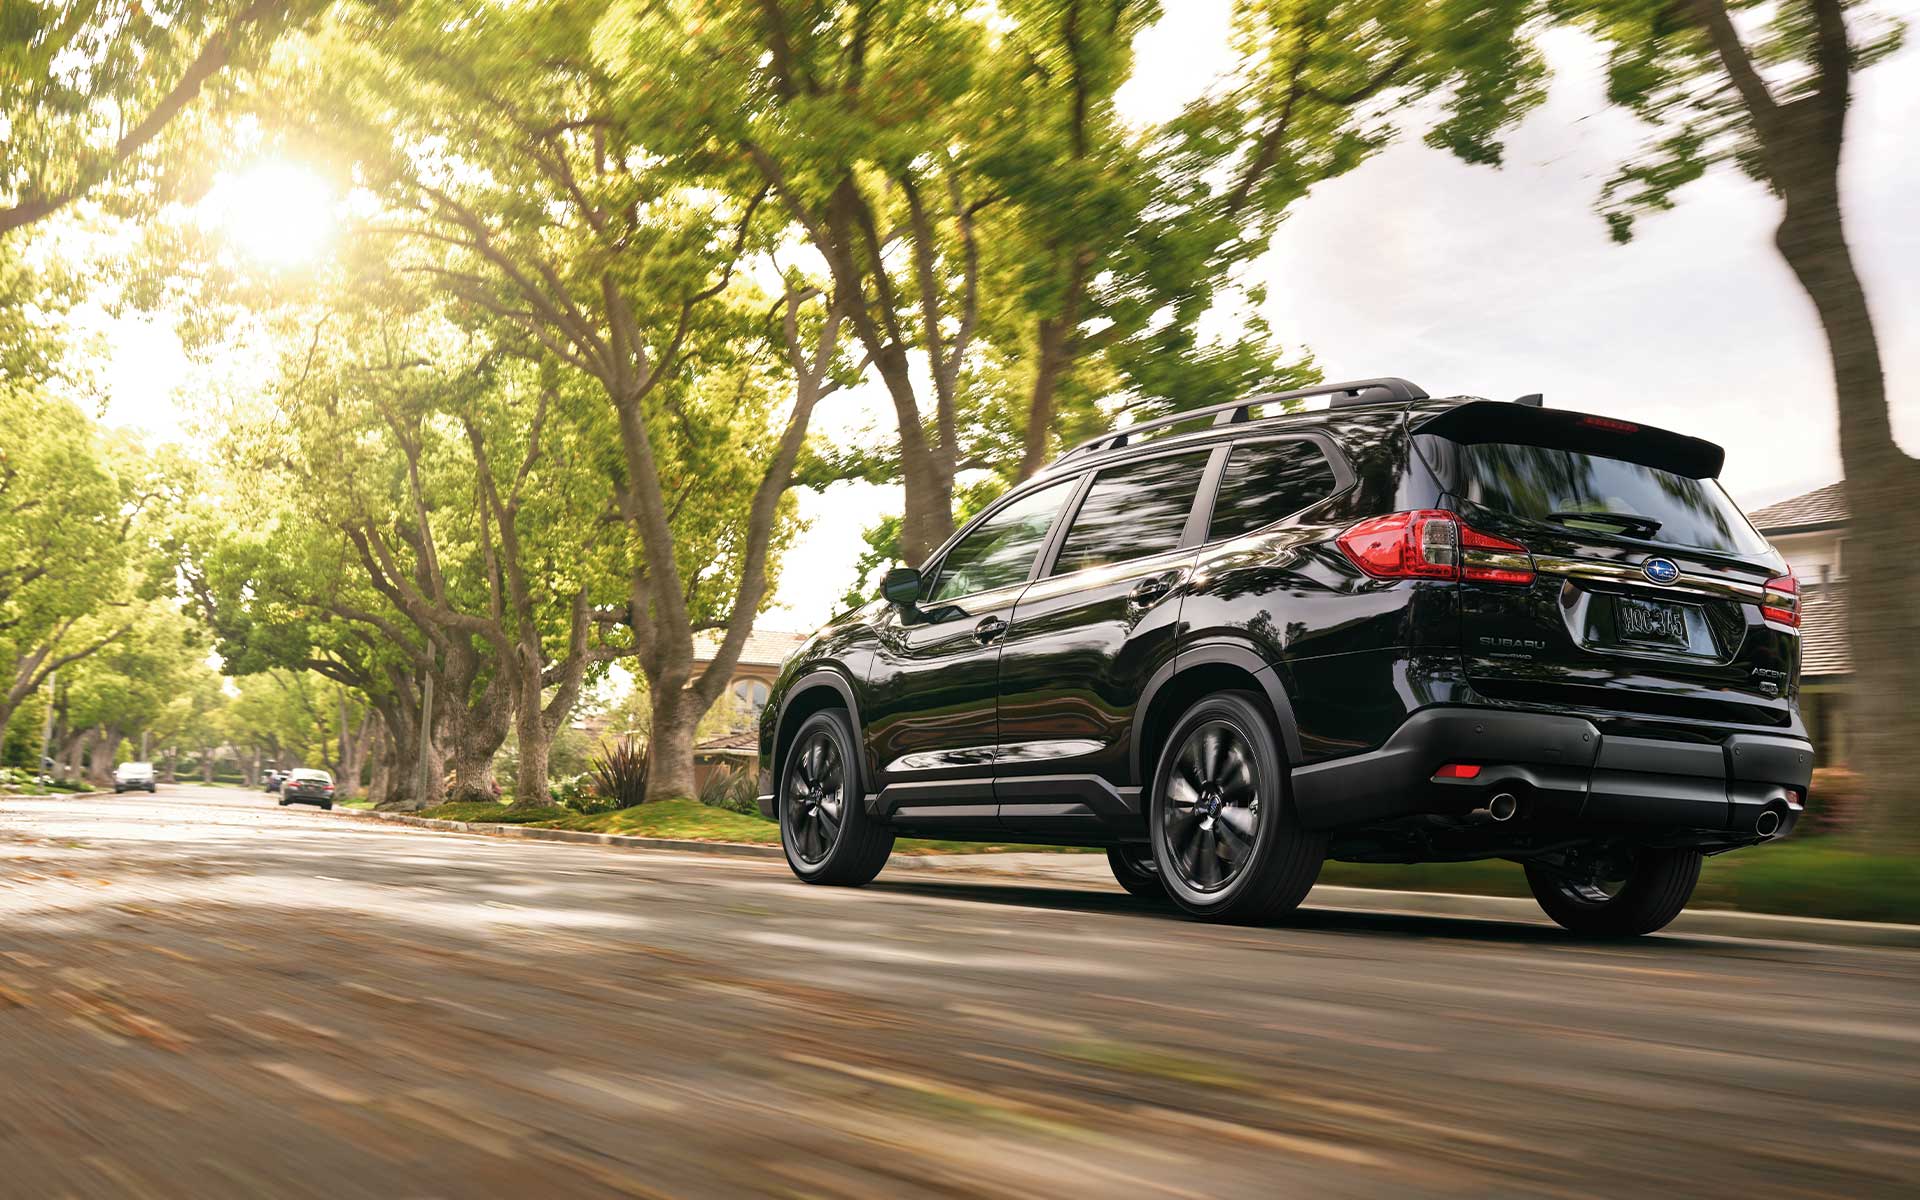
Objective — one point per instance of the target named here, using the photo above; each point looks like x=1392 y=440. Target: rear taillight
x=1780 y=600
x=1432 y=543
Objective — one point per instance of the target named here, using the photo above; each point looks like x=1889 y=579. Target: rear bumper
x=1563 y=769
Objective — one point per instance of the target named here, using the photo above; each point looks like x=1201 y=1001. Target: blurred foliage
x=620 y=772
x=731 y=788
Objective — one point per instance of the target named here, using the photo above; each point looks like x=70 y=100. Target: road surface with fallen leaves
x=205 y=995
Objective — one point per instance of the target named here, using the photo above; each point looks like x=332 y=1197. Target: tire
x=824 y=828
x=1225 y=835
x=326 y=806
x=283 y=803
x=1134 y=869
x=1656 y=888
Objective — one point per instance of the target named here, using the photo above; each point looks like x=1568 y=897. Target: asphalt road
x=204 y=995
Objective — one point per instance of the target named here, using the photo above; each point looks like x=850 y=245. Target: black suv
x=1233 y=643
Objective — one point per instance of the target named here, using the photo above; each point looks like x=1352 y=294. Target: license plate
x=1654 y=622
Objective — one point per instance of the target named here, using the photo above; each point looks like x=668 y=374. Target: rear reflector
x=1780 y=601
x=1432 y=543
x=1458 y=771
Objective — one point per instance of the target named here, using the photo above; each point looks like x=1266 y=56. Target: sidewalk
x=1087 y=870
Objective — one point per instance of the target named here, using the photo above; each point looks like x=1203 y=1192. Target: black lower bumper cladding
x=1565 y=769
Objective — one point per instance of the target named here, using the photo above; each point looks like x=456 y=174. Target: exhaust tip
x=1767 y=823
x=1503 y=807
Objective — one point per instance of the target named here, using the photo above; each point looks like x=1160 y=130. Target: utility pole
x=426 y=735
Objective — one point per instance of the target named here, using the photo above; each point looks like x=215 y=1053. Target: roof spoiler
x=1559 y=429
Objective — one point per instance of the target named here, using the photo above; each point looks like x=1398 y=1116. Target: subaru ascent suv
x=1230 y=644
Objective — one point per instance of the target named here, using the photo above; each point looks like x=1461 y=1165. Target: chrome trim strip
x=1629 y=573
x=1106 y=573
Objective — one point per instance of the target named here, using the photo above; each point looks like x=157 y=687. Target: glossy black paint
x=1027 y=710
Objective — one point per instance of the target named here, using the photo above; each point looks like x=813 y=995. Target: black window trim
x=1343 y=481
x=930 y=571
x=1189 y=535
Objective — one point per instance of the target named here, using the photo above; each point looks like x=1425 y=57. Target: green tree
x=67 y=523
x=1000 y=240
x=1767 y=89
x=90 y=90
x=558 y=234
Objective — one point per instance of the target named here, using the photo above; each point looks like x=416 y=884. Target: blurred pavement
x=204 y=995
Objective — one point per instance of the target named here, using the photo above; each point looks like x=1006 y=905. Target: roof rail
x=1235 y=412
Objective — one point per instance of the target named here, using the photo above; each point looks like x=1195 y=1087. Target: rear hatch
x=1650 y=593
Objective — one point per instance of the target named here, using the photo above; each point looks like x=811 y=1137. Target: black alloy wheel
x=1211 y=817
x=1224 y=834
x=1134 y=869
x=815 y=800
x=824 y=827
x=1624 y=894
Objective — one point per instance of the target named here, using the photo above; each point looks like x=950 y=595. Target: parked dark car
x=272 y=780
x=304 y=785
x=1233 y=643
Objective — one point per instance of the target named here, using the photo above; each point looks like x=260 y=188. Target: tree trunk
x=1883 y=494
x=676 y=714
x=926 y=519
x=206 y=765
x=106 y=748
x=75 y=767
x=530 y=729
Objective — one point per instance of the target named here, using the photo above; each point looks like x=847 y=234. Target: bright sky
x=1465 y=280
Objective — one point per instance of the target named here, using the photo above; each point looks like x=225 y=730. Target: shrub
x=578 y=793
x=1835 y=801
x=731 y=789
x=620 y=773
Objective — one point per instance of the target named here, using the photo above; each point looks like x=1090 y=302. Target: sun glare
x=277 y=213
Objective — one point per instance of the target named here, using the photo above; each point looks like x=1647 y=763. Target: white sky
x=1470 y=280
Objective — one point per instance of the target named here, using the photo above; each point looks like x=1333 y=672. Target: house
x=1811 y=531
x=753 y=675
x=736 y=747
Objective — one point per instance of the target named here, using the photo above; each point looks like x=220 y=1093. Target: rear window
x=1553 y=486
x=1267 y=481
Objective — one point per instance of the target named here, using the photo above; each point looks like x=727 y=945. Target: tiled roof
x=748 y=740
x=1823 y=506
x=1824 y=648
x=764 y=648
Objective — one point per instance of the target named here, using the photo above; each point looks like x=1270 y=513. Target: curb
x=575 y=836
x=1699 y=922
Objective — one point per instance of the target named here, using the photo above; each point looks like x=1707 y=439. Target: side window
x=1265 y=481
x=1000 y=550
x=1132 y=511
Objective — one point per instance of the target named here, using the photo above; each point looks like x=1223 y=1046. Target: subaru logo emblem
x=1660 y=570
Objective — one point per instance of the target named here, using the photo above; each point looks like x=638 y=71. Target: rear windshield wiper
x=1631 y=522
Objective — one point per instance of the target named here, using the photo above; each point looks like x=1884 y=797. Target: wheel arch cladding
x=814 y=693
x=1202 y=672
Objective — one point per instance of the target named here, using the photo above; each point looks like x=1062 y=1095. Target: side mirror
x=901 y=586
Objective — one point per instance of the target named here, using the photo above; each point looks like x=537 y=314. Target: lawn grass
x=688 y=820
x=1811 y=877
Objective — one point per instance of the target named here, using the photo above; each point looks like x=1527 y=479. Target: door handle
x=1148 y=590
x=989 y=629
